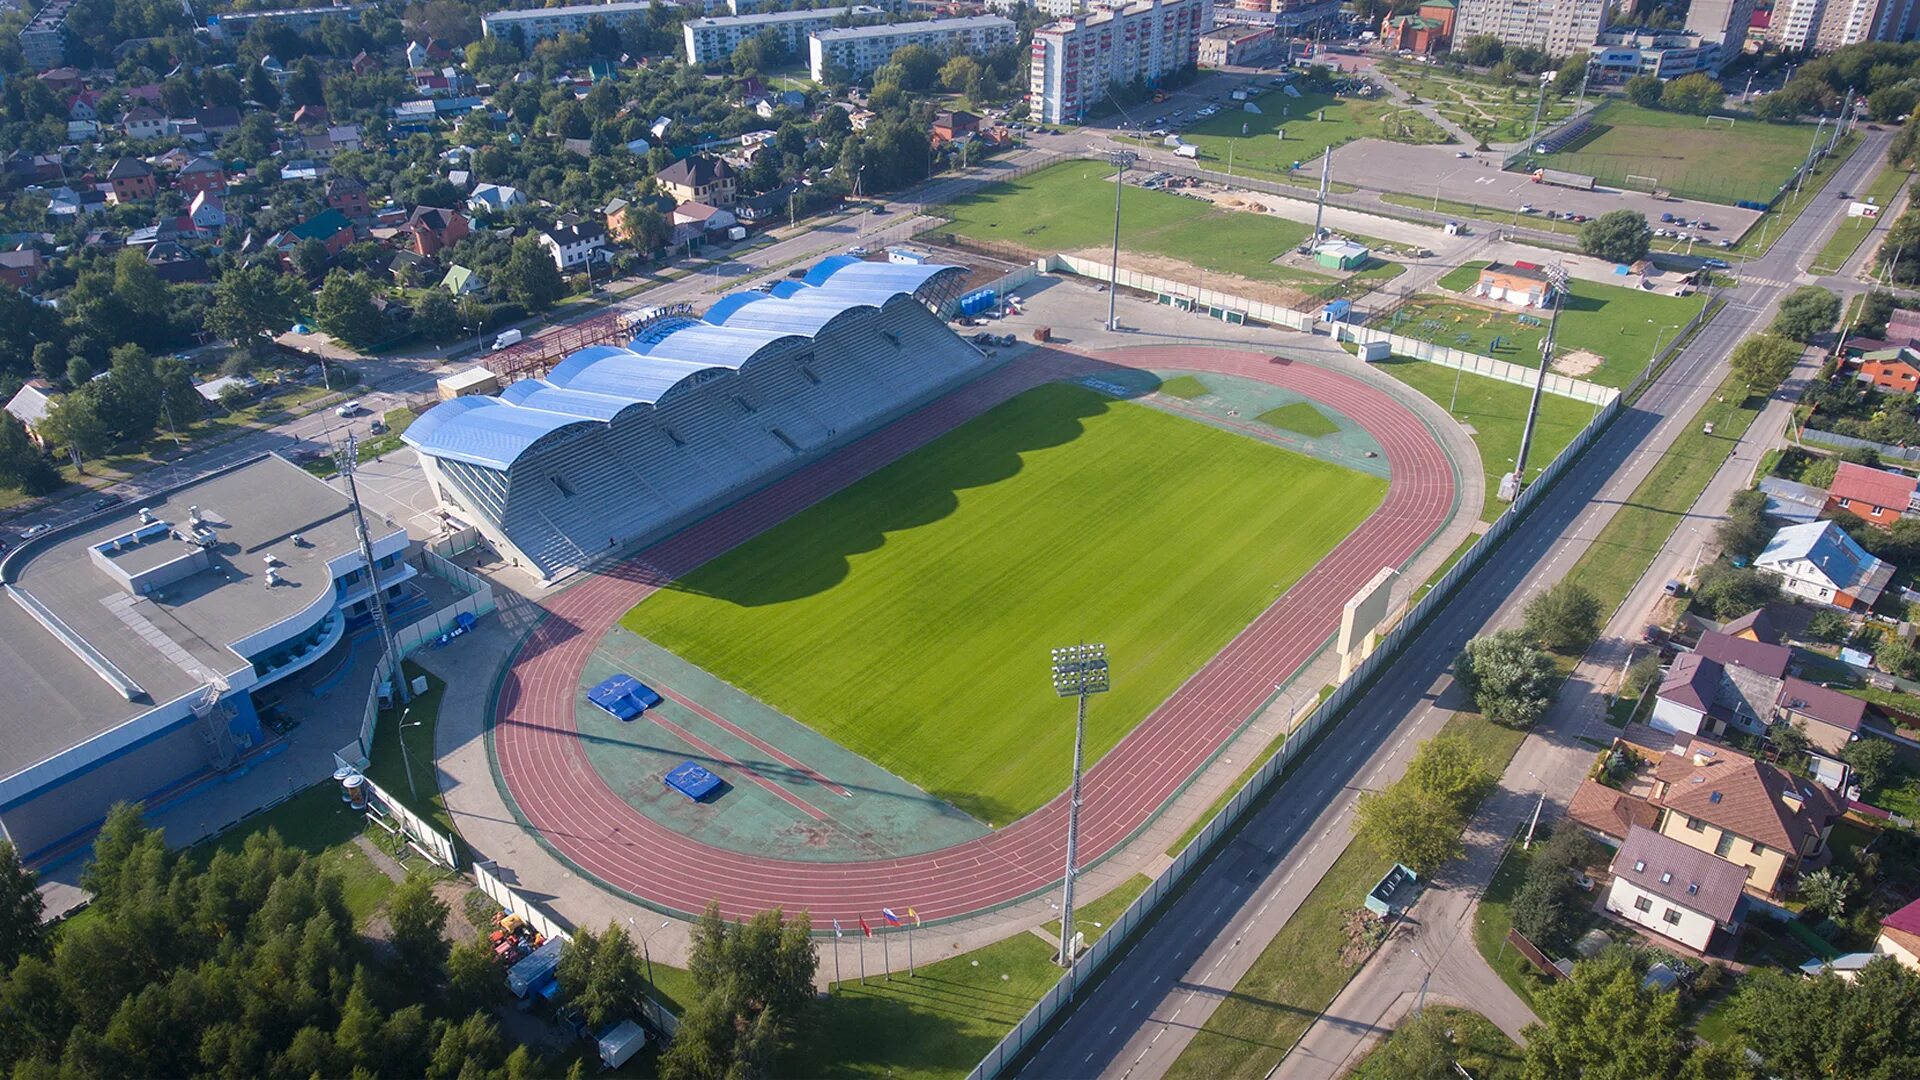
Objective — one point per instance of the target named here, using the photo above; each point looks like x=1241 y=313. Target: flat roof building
x=233 y=25
x=1562 y=28
x=1075 y=60
x=712 y=41
x=132 y=643
x=855 y=51
x=43 y=41
x=539 y=24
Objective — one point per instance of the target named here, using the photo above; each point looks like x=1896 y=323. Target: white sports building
x=623 y=443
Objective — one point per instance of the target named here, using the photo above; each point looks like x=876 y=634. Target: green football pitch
x=909 y=616
x=1713 y=158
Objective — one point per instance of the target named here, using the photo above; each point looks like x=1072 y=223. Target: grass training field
x=1256 y=137
x=1690 y=156
x=1620 y=325
x=1069 y=207
x=909 y=617
x=1497 y=114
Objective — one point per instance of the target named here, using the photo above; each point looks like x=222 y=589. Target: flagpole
x=909 y=950
x=886 y=961
x=836 y=953
x=863 y=959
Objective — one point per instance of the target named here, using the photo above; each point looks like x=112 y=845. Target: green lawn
x=1069 y=207
x=1184 y=386
x=1759 y=237
x=1497 y=412
x=1640 y=527
x=921 y=602
x=317 y=822
x=1288 y=132
x=1691 y=156
x=1493 y=917
x=938 y=1023
x=1496 y=113
x=1482 y=1049
x=1621 y=325
x=1853 y=231
x=387 y=766
x=1301 y=417
x=1095 y=919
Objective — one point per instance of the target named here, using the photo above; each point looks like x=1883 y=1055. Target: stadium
x=822 y=684
x=621 y=443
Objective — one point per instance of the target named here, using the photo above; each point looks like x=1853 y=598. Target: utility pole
x=1320 y=205
x=1539 y=106
x=375 y=600
x=1557 y=278
x=1079 y=671
x=1121 y=160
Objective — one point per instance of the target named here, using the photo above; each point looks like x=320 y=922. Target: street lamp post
x=647 y=954
x=1121 y=160
x=1557 y=278
x=1079 y=671
x=406 y=758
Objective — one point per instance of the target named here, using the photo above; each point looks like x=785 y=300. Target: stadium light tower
x=1557 y=279
x=1079 y=671
x=1121 y=160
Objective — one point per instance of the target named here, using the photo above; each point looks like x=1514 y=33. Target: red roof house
x=1879 y=496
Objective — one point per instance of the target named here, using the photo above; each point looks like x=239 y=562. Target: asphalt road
x=1147 y=1006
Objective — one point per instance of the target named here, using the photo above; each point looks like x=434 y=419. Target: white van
x=506 y=338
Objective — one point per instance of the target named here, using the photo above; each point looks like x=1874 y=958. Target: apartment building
x=43 y=41
x=1825 y=25
x=1056 y=8
x=233 y=25
x=712 y=41
x=1561 y=27
x=1722 y=24
x=1075 y=60
x=856 y=51
x=1232 y=46
x=539 y=24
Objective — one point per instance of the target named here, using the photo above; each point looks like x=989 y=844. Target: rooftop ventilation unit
x=146 y=516
x=273 y=577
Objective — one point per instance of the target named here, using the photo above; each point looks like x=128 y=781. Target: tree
x=20 y=931
x=1480 y=50
x=1872 y=760
x=1447 y=768
x=252 y=303
x=1571 y=75
x=1421 y=1048
x=1410 y=826
x=1826 y=891
x=1696 y=93
x=1875 y=310
x=1827 y=1026
x=749 y=56
x=311 y=259
x=23 y=464
x=918 y=67
x=1510 y=679
x=473 y=977
x=1790 y=740
x=344 y=309
x=1641 y=675
x=1602 y=1024
x=1727 y=592
x=1645 y=91
x=755 y=984
x=1542 y=909
x=436 y=317
x=1619 y=236
x=1806 y=313
x=648 y=230
x=74 y=422
x=529 y=275
x=1764 y=361
x=1564 y=618
x=601 y=976
x=419 y=921
x=1745 y=532
x=959 y=74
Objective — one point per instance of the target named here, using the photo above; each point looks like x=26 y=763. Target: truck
x=1189 y=152
x=508 y=337
x=1562 y=178
x=619 y=1043
x=535 y=968
x=737 y=233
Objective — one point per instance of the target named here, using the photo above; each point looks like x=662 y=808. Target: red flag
x=864 y=928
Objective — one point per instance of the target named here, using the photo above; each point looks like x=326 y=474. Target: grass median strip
x=1853 y=231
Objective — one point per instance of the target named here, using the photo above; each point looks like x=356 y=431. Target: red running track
x=572 y=809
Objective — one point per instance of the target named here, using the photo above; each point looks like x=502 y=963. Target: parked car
x=347 y=408
x=105 y=500
x=32 y=531
x=1716 y=264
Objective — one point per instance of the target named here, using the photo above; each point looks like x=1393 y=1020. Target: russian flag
x=892 y=919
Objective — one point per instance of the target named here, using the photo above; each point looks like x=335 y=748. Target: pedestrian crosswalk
x=1767 y=282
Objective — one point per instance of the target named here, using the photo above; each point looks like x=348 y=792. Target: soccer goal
x=1650 y=181
x=1727 y=120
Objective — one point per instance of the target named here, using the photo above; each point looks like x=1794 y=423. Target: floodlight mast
x=1557 y=280
x=345 y=460
x=1121 y=160
x=1079 y=671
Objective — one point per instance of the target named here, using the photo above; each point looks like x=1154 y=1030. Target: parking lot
x=1440 y=172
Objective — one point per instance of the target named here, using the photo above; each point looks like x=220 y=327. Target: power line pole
x=1079 y=671
x=376 y=601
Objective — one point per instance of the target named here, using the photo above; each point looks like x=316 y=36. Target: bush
x=1641 y=675
x=1564 y=618
x=1728 y=592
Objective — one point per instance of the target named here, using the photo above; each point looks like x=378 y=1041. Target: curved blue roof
x=596 y=384
x=482 y=430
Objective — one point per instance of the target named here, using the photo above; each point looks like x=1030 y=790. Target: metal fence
x=1460 y=359
x=1835 y=441
x=428 y=840
x=1220 y=304
x=511 y=899
x=1137 y=914
x=1001 y=286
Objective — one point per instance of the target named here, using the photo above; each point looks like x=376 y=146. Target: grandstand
x=619 y=443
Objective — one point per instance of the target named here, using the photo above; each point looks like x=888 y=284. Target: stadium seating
x=623 y=443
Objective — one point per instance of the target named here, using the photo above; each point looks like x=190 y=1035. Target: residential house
x=344 y=136
x=574 y=245
x=64 y=80
x=692 y=222
x=1879 y=496
x=1674 y=889
x=201 y=174
x=1609 y=813
x=701 y=179
x=330 y=227
x=1903 y=326
x=1893 y=370
x=766 y=205
x=65 y=202
x=217 y=120
x=615 y=216
x=175 y=264
x=461 y=281
x=364 y=62
x=405 y=267
x=1831 y=720
x=208 y=212
x=144 y=122
x=84 y=106
x=430 y=230
x=1755 y=625
x=1819 y=561
x=1900 y=936
x=347 y=195
x=1769 y=821
x=494 y=198
x=131 y=181
x=31 y=404
x=1522 y=284
x=949 y=125
x=21 y=268
x=310 y=116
